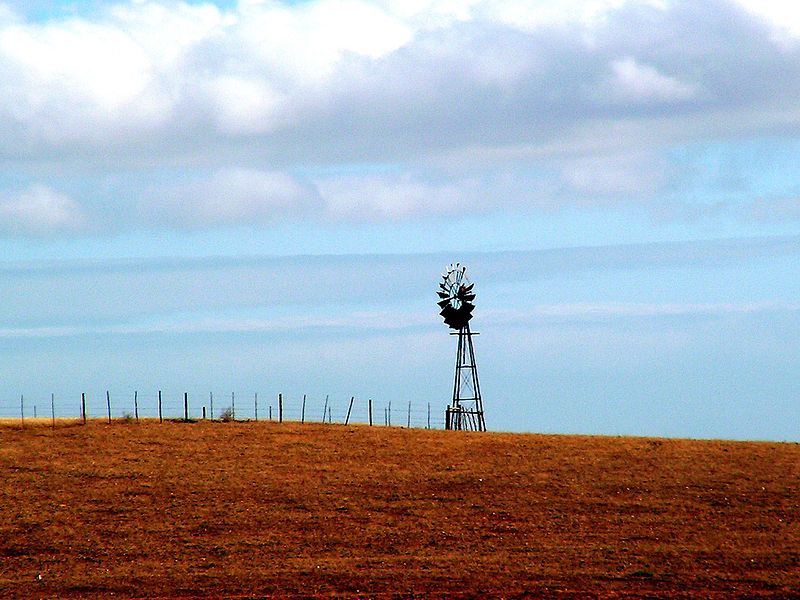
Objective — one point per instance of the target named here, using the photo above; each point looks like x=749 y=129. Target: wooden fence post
x=303 y=411
x=409 y=415
x=370 y=412
x=108 y=403
x=185 y=406
x=255 y=400
x=204 y=413
x=325 y=408
x=211 y=403
x=160 y=414
x=83 y=407
x=429 y=415
x=390 y=413
x=280 y=408
x=22 y=409
x=233 y=406
x=136 y=404
x=349 y=408
x=53 y=408
x=270 y=412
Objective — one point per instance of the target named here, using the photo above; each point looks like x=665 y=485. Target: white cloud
x=393 y=197
x=638 y=82
x=39 y=210
x=783 y=16
x=233 y=196
x=304 y=42
x=544 y=13
x=62 y=81
x=243 y=105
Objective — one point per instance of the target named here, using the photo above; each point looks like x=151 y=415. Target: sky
x=260 y=197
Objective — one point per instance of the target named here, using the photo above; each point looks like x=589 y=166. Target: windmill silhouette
x=465 y=412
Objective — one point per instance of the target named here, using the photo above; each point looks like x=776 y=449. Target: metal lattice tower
x=456 y=301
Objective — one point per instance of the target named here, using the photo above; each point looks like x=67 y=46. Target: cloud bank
x=270 y=111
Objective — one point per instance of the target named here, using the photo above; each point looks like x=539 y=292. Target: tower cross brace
x=466 y=410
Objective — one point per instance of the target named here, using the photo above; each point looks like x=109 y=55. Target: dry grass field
x=320 y=511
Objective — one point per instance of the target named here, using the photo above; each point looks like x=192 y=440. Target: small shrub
x=226 y=415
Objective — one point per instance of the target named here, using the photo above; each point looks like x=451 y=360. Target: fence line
x=186 y=406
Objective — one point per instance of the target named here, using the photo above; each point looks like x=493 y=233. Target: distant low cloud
x=379 y=197
x=599 y=312
x=368 y=322
x=617 y=177
x=61 y=293
x=39 y=210
x=784 y=209
x=232 y=197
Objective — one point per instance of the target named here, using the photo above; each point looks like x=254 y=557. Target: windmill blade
x=443 y=294
x=466 y=297
x=464 y=317
x=444 y=303
x=468 y=288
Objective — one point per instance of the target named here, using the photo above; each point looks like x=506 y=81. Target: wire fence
x=231 y=406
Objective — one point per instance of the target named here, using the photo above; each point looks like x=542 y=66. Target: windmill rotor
x=456 y=297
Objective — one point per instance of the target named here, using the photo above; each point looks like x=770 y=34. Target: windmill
x=456 y=301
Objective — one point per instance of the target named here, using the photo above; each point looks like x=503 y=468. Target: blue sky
x=260 y=196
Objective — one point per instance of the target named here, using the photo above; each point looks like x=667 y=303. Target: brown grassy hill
x=262 y=509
